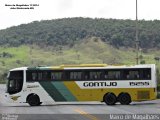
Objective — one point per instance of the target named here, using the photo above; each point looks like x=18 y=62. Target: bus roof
x=83 y=66
x=20 y=68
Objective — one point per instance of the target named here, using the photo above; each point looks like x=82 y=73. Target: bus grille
x=143 y=95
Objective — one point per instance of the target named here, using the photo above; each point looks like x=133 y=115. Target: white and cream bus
x=85 y=82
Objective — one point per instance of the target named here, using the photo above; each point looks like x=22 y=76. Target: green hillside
x=67 y=31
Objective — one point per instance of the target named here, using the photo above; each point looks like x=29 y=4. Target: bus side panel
x=70 y=91
x=92 y=94
x=36 y=88
x=58 y=91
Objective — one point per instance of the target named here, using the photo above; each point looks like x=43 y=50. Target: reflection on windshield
x=11 y=83
x=15 y=82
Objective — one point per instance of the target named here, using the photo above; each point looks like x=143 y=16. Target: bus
x=84 y=82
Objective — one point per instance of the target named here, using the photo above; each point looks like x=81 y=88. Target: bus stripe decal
x=60 y=86
x=52 y=91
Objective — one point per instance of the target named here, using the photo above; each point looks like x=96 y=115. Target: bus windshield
x=15 y=82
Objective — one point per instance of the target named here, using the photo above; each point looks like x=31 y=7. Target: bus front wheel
x=33 y=100
x=110 y=98
x=124 y=98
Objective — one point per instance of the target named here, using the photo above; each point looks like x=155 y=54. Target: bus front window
x=15 y=82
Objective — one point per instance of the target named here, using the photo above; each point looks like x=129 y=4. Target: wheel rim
x=110 y=99
x=34 y=100
x=125 y=99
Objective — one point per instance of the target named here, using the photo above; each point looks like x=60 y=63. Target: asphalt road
x=78 y=111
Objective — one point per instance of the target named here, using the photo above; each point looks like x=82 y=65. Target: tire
x=124 y=98
x=33 y=100
x=110 y=98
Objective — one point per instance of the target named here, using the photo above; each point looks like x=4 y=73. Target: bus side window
x=79 y=75
x=43 y=75
x=105 y=74
x=31 y=75
x=117 y=74
x=52 y=76
x=73 y=75
x=128 y=76
x=46 y=75
x=111 y=75
x=40 y=76
x=95 y=77
x=56 y=75
x=86 y=75
x=125 y=75
x=147 y=74
x=114 y=74
x=91 y=75
x=34 y=76
x=136 y=76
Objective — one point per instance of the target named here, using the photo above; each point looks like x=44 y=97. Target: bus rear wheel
x=124 y=98
x=33 y=100
x=110 y=98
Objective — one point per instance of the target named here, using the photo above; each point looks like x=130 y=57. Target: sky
x=54 y=9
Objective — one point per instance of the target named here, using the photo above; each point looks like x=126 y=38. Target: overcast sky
x=52 y=9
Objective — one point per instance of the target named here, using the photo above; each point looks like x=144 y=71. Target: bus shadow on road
x=144 y=103
x=141 y=104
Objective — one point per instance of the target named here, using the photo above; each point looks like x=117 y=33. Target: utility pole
x=137 y=41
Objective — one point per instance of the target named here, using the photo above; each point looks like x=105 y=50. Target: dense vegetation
x=70 y=30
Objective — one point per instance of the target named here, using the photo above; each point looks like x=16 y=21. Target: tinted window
x=137 y=74
x=15 y=82
x=76 y=75
x=43 y=75
x=103 y=74
x=95 y=75
x=113 y=74
x=56 y=75
x=131 y=74
x=31 y=76
x=146 y=74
